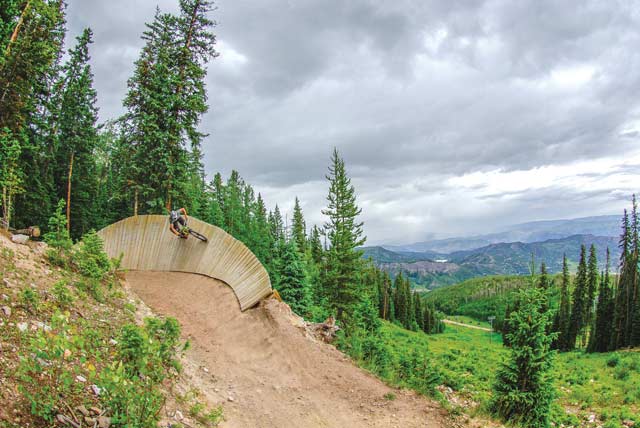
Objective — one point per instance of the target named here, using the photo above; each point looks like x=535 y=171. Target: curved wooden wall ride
x=147 y=244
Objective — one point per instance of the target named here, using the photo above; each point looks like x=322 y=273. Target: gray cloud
x=413 y=94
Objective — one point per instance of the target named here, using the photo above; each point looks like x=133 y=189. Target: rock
x=113 y=342
x=4 y=297
x=81 y=378
x=83 y=410
x=231 y=399
x=90 y=421
x=96 y=389
x=20 y=239
x=95 y=410
x=22 y=326
x=592 y=418
x=7 y=282
x=6 y=310
x=67 y=354
x=104 y=422
x=628 y=423
x=61 y=419
x=206 y=370
x=178 y=416
x=43 y=326
x=43 y=363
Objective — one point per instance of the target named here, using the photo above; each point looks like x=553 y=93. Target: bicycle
x=186 y=230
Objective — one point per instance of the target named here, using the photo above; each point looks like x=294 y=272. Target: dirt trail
x=477 y=327
x=264 y=360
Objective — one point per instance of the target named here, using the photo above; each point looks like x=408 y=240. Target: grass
x=605 y=385
x=71 y=329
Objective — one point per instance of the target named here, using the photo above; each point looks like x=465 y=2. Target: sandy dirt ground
x=266 y=369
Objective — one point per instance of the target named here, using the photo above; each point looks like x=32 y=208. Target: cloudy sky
x=454 y=117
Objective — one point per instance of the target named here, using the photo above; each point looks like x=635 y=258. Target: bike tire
x=198 y=235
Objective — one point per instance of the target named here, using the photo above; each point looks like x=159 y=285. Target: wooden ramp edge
x=147 y=244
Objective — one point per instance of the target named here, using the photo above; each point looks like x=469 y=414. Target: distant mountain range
x=438 y=263
x=538 y=231
x=429 y=270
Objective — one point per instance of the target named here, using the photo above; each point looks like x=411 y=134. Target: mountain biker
x=178 y=222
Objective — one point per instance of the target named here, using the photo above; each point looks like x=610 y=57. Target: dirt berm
x=265 y=367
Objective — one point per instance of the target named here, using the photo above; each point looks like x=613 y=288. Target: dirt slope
x=263 y=360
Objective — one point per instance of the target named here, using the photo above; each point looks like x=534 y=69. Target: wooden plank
x=147 y=244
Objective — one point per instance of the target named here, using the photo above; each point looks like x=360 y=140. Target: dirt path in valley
x=265 y=361
x=477 y=327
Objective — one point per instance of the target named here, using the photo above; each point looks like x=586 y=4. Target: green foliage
x=48 y=349
x=58 y=237
x=63 y=295
x=29 y=298
x=523 y=387
x=147 y=356
x=341 y=284
x=77 y=136
x=90 y=258
x=293 y=284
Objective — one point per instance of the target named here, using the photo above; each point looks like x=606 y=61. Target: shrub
x=58 y=237
x=614 y=360
x=30 y=299
x=523 y=388
x=62 y=294
x=90 y=257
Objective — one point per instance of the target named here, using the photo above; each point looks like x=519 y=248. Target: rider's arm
x=184 y=211
x=173 y=230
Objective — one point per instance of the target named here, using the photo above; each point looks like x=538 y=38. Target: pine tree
x=523 y=390
x=592 y=284
x=293 y=285
x=165 y=102
x=603 y=323
x=315 y=245
x=276 y=225
x=400 y=300
x=298 y=228
x=544 y=284
x=564 y=312
x=419 y=315
x=626 y=290
x=384 y=296
x=579 y=310
x=345 y=235
x=78 y=138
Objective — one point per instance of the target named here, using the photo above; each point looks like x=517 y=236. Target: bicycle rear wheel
x=198 y=235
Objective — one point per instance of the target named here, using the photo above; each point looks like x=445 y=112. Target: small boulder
x=80 y=378
x=22 y=326
x=20 y=239
x=104 y=422
x=178 y=416
x=96 y=390
x=6 y=310
x=83 y=410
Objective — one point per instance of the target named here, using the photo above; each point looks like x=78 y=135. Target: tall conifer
x=345 y=236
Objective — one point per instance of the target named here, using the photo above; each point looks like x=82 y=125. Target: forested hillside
x=432 y=270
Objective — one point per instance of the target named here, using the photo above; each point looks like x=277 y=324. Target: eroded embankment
x=266 y=369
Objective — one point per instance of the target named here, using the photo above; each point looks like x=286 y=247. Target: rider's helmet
x=173 y=216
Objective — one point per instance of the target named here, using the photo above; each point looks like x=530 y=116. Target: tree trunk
x=69 y=193
x=135 y=203
x=14 y=35
x=5 y=208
